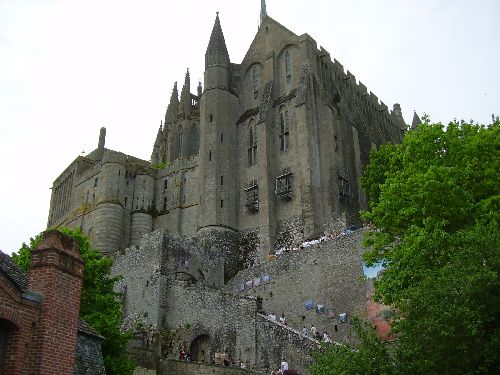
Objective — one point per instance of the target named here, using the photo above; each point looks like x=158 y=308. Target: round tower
x=108 y=219
x=218 y=147
x=142 y=208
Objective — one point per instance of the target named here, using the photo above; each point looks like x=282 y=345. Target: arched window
x=288 y=65
x=284 y=132
x=252 y=144
x=180 y=142
x=193 y=144
x=256 y=82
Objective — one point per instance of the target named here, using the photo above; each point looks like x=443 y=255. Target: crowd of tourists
x=326 y=237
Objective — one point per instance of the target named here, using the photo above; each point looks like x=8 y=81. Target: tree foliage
x=100 y=305
x=435 y=206
x=369 y=357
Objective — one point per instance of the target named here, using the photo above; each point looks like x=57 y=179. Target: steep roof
x=11 y=270
x=217 y=44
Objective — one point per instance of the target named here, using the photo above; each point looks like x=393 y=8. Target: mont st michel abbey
x=265 y=157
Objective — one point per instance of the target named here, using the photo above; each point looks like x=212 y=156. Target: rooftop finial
x=263 y=12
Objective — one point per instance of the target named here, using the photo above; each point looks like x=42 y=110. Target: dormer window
x=284 y=185
x=252 y=197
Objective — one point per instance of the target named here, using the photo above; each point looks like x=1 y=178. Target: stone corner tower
x=218 y=145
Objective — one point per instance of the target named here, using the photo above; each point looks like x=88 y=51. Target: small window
x=165 y=201
x=221 y=137
x=256 y=82
x=210 y=118
x=119 y=173
x=210 y=155
x=165 y=183
x=222 y=180
x=252 y=197
x=96 y=181
x=126 y=200
x=252 y=145
x=180 y=142
x=193 y=143
x=284 y=185
x=284 y=133
x=288 y=66
x=222 y=203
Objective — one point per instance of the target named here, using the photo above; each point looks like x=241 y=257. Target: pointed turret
x=263 y=12
x=185 y=102
x=199 y=89
x=156 y=156
x=216 y=51
x=416 y=121
x=171 y=114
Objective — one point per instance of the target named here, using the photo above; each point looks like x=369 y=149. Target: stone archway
x=200 y=349
x=7 y=333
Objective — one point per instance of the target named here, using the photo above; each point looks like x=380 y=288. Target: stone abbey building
x=266 y=154
x=273 y=146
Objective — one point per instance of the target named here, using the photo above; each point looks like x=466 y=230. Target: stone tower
x=218 y=144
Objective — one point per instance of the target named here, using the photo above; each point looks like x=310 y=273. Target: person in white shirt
x=282 y=319
x=272 y=316
x=284 y=365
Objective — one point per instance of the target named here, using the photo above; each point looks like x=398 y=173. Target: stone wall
x=172 y=367
x=88 y=356
x=277 y=342
x=329 y=274
x=142 y=284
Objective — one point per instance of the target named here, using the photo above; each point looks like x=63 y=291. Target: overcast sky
x=69 y=67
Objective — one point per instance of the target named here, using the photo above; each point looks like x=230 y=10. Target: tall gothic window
x=288 y=65
x=284 y=133
x=193 y=144
x=180 y=142
x=256 y=82
x=252 y=144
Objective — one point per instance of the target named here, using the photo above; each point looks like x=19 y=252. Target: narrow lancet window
x=288 y=66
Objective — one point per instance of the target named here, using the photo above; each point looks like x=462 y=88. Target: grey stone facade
x=267 y=154
x=281 y=137
x=171 y=282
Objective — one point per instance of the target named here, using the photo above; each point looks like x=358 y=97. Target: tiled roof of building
x=88 y=330
x=18 y=277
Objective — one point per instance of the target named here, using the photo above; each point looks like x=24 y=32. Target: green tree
x=100 y=305
x=434 y=200
x=370 y=356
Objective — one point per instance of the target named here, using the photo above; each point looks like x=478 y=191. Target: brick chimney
x=56 y=274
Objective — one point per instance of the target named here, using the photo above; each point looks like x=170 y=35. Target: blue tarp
x=308 y=305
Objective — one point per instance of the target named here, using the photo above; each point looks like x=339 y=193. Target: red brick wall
x=41 y=337
x=56 y=273
x=22 y=315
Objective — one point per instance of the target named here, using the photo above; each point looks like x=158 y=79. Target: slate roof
x=88 y=330
x=18 y=277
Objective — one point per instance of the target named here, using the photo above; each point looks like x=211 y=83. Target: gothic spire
x=416 y=120
x=216 y=51
x=185 y=104
x=171 y=114
x=263 y=12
